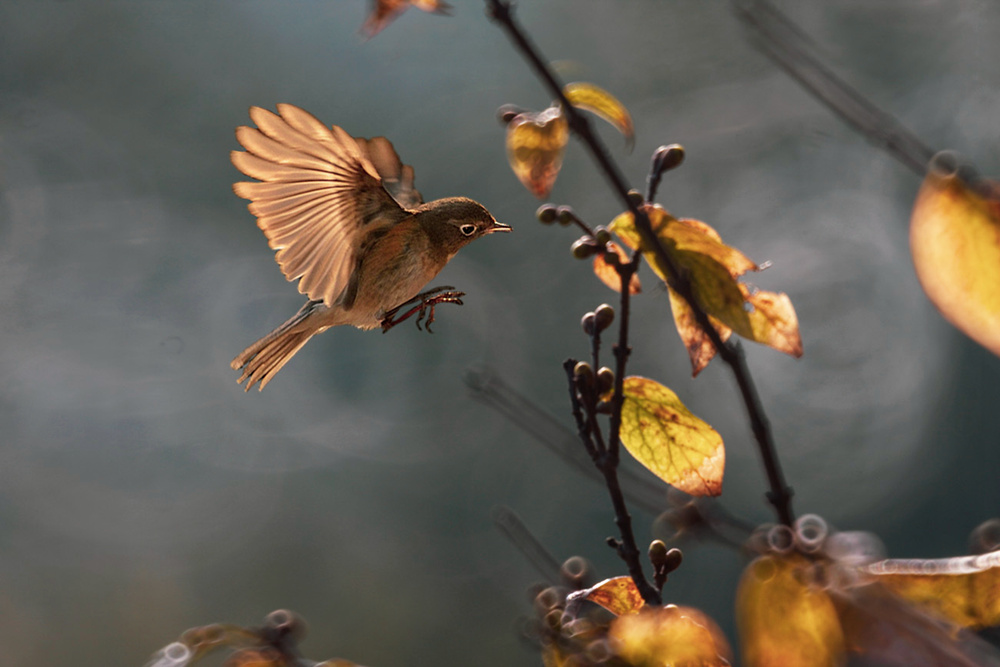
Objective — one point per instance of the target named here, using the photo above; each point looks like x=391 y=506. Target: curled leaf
x=785 y=620
x=536 y=142
x=663 y=435
x=603 y=104
x=609 y=274
x=671 y=635
x=618 y=595
x=955 y=241
x=713 y=270
x=384 y=12
x=964 y=590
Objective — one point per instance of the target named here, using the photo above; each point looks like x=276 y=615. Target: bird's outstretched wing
x=397 y=177
x=317 y=193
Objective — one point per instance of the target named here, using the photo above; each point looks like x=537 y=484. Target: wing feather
x=316 y=191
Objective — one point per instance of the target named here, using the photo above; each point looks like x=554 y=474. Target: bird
x=345 y=221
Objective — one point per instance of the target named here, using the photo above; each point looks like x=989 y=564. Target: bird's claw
x=425 y=308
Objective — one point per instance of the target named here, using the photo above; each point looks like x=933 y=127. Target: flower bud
x=605 y=380
x=583 y=248
x=657 y=553
x=636 y=197
x=668 y=157
x=564 y=215
x=546 y=214
x=602 y=235
x=604 y=315
x=584 y=374
x=587 y=322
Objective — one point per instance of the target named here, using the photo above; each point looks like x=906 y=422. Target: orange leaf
x=783 y=620
x=955 y=240
x=965 y=590
x=662 y=434
x=385 y=12
x=699 y=346
x=535 y=146
x=609 y=274
x=618 y=595
x=671 y=635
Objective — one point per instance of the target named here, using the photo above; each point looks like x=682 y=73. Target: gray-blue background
x=142 y=492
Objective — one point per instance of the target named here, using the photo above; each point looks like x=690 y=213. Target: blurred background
x=142 y=492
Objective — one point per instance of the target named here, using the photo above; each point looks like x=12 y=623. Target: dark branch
x=780 y=493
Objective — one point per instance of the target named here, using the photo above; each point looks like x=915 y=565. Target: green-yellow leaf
x=535 y=146
x=955 y=240
x=664 y=436
x=602 y=103
x=784 y=620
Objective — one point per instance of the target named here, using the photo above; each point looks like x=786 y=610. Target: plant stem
x=780 y=493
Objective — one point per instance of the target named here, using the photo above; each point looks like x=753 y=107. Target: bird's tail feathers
x=267 y=356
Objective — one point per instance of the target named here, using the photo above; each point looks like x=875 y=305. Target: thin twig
x=780 y=494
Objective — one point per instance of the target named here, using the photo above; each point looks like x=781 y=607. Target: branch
x=780 y=493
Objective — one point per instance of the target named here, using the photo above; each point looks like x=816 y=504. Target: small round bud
x=553 y=620
x=546 y=214
x=605 y=380
x=564 y=214
x=604 y=315
x=583 y=248
x=602 y=235
x=657 y=553
x=672 y=561
x=584 y=374
x=286 y=623
x=636 y=197
x=668 y=157
x=587 y=322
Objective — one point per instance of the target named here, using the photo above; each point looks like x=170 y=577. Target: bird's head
x=454 y=222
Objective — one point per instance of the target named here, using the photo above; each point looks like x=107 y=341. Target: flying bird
x=346 y=222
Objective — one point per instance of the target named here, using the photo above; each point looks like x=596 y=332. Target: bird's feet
x=425 y=308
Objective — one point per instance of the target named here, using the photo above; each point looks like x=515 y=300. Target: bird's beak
x=497 y=227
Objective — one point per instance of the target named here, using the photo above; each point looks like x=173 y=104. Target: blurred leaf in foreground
x=384 y=12
x=964 y=590
x=783 y=619
x=713 y=269
x=955 y=240
x=669 y=636
x=663 y=435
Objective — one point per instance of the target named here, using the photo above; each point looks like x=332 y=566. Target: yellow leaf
x=602 y=103
x=713 y=269
x=783 y=620
x=664 y=436
x=955 y=240
x=618 y=595
x=535 y=145
x=964 y=590
x=609 y=274
x=669 y=636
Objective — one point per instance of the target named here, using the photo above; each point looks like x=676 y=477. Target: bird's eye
x=467 y=229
